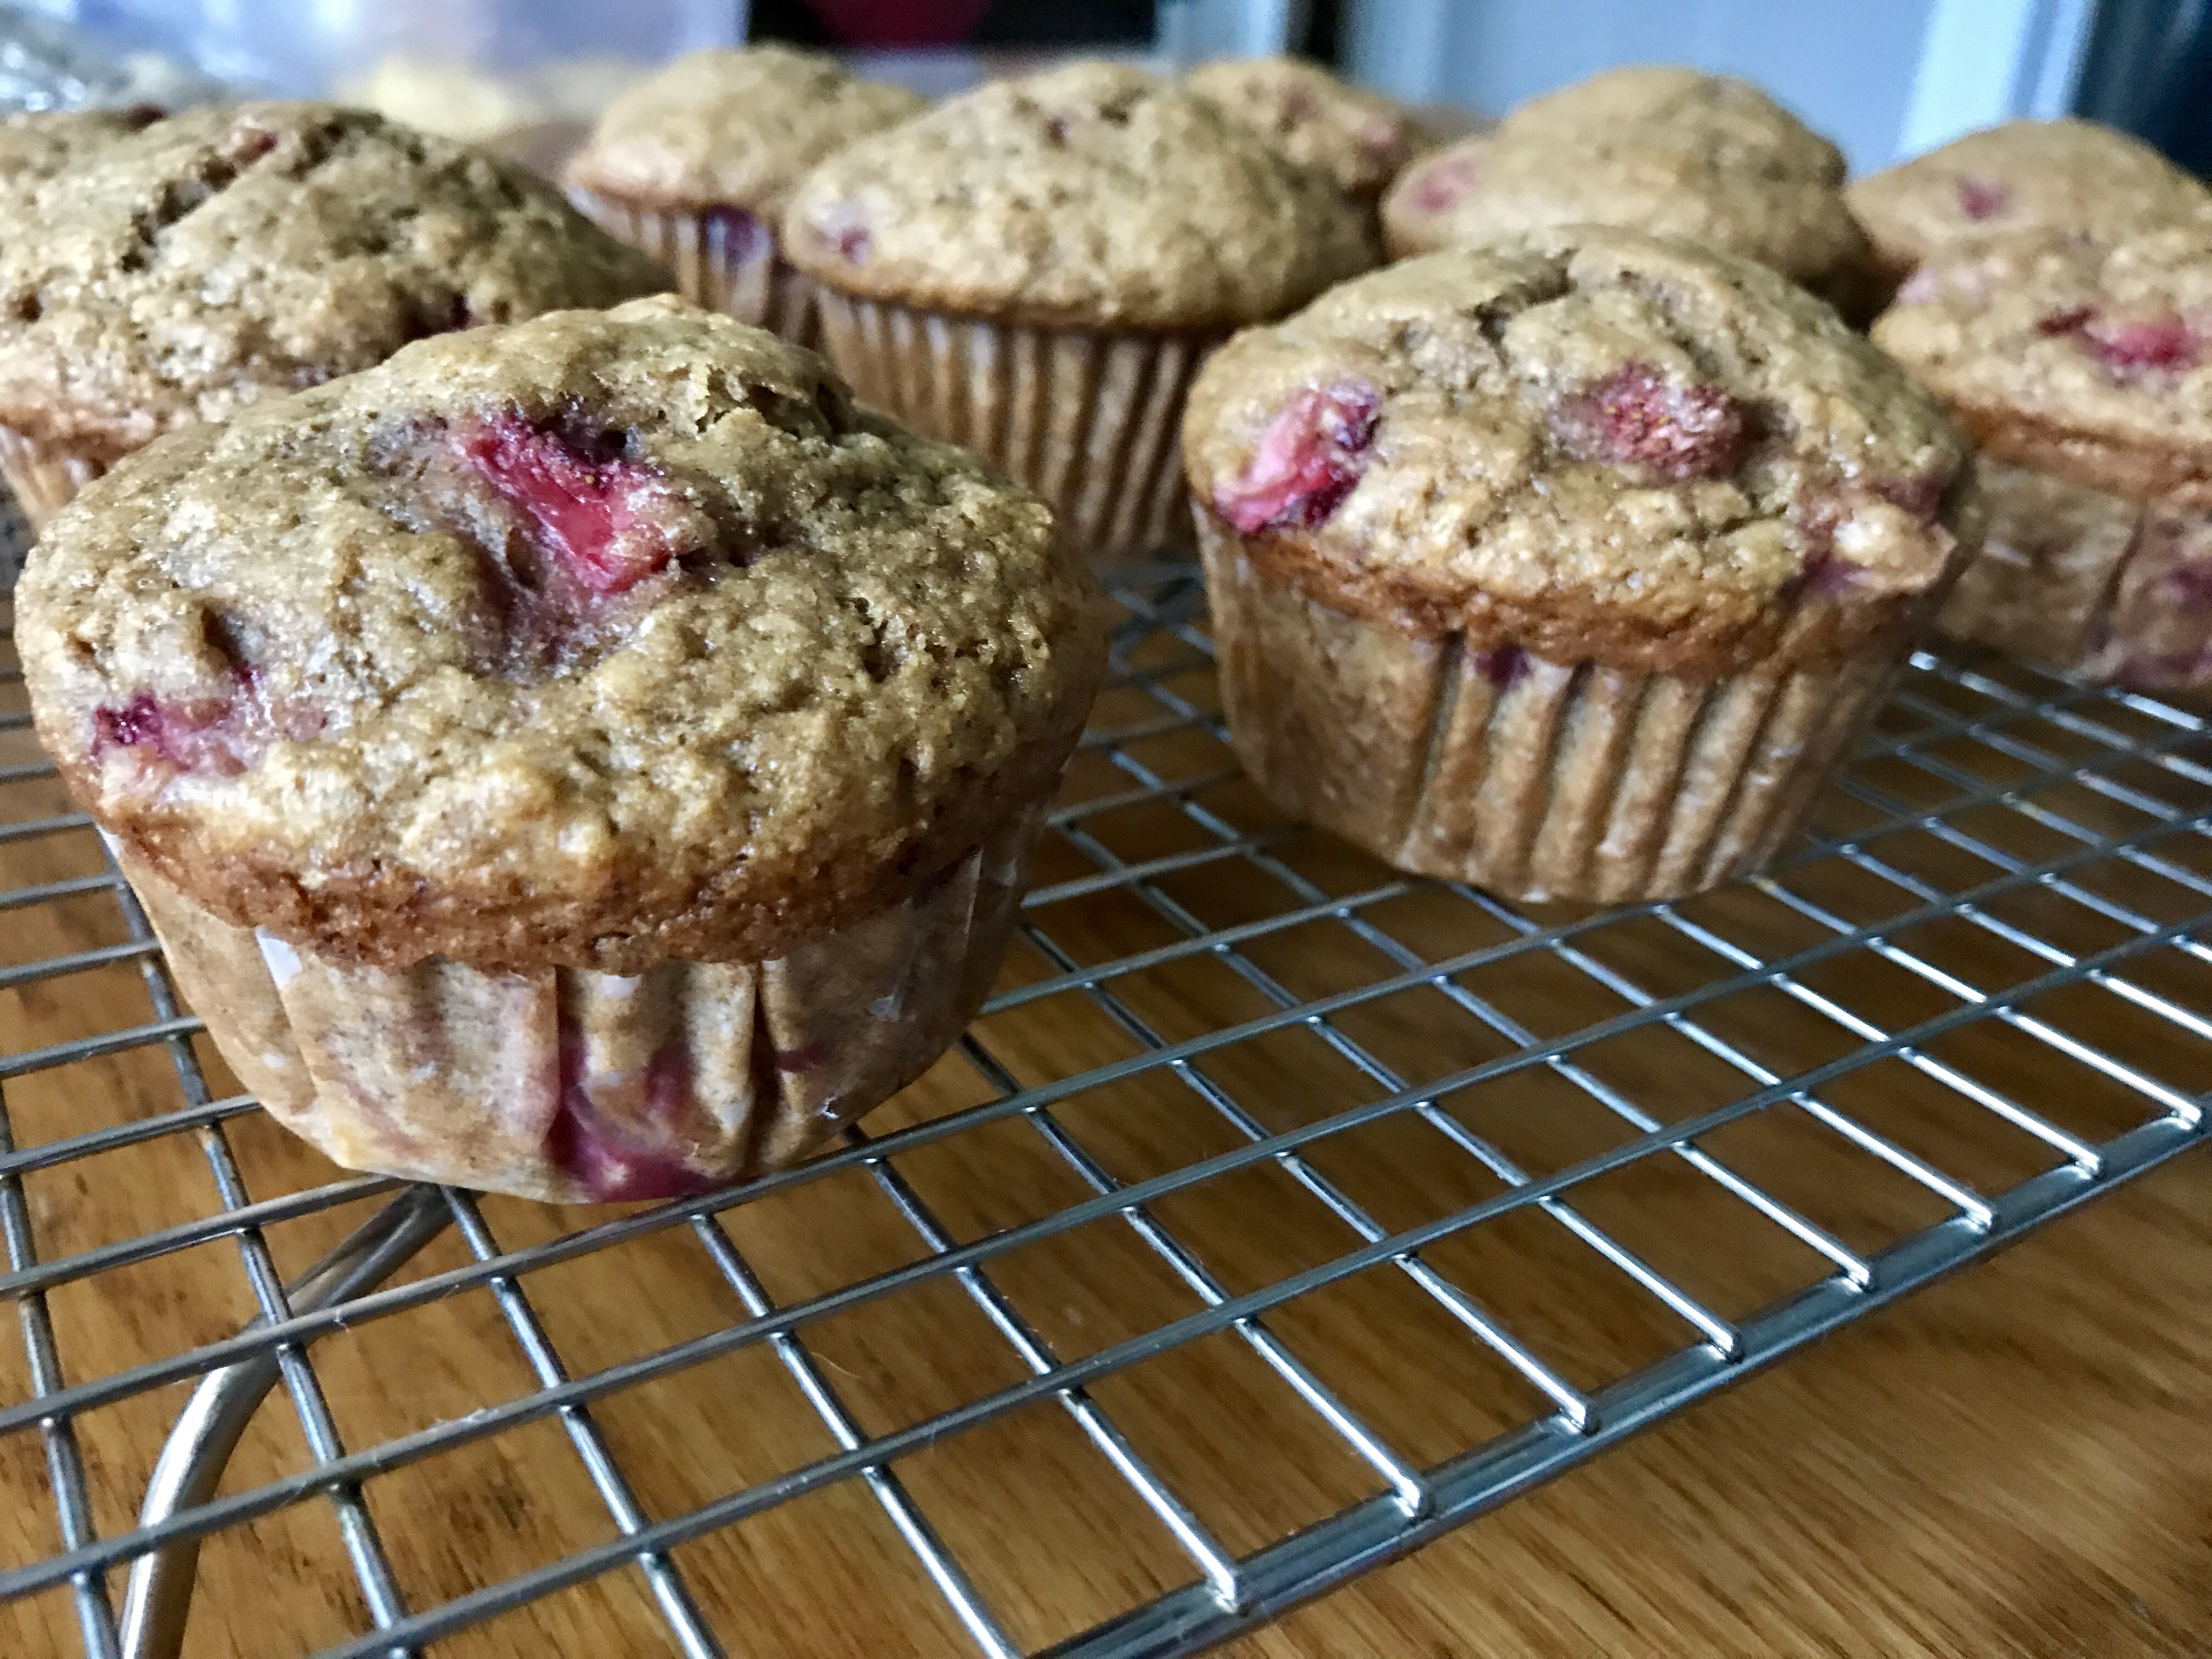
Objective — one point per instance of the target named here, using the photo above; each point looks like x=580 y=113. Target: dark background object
x=2148 y=68
x=1002 y=22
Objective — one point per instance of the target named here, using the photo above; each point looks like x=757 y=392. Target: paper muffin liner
x=570 y=1085
x=1535 y=780
x=45 y=478
x=1090 y=420
x=725 y=257
x=2087 y=581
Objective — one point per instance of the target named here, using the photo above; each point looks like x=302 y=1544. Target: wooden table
x=2018 y=1463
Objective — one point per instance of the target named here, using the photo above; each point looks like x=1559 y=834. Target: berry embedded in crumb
x=1308 y=460
x=1635 y=415
x=224 y=735
x=1444 y=181
x=1983 y=199
x=606 y=522
x=2129 y=346
x=839 y=225
x=1921 y=497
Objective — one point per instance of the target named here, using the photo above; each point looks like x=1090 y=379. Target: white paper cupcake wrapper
x=45 y=480
x=726 y=260
x=571 y=1085
x=1532 y=779
x=2088 y=581
x=1090 y=421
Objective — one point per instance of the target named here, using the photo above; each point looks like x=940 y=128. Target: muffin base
x=2088 y=581
x=44 y=479
x=1090 y=420
x=569 y=1085
x=725 y=258
x=1535 y=780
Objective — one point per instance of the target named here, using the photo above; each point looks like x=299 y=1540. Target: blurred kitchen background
x=1886 y=78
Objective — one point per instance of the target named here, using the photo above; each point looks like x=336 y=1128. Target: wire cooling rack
x=1278 y=1214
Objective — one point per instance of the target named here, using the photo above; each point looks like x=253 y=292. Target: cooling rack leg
x=207 y=1430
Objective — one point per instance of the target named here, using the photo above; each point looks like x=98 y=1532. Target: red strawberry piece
x=604 y=519
x=841 y=226
x=224 y=735
x=1983 y=199
x=2152 y=343
x=2128 y=345
x=1442 y=183
x=1308 y=460
x=617 y=1162
x=1635 y=415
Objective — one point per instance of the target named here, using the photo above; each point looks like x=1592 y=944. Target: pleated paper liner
x=1531 y=779
x=44 y=479
x=724 y=258
x=1090 y=420
x=571 y=1085
x=2087 y=581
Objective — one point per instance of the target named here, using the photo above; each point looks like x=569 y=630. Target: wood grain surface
x=2018 y=1462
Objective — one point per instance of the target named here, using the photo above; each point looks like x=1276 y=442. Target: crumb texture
x=177 y=273
x=1092 y=196
x=1588 y=444
x=592 y=641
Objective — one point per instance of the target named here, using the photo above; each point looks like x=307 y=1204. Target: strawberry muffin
x=587 y=759
x=1568 y=568
x=173 y=274
x=1699 y=158
x=1035 y=269
x=695 y=164
x=1359 y=139
x=2025 y=176
x=2082 y=367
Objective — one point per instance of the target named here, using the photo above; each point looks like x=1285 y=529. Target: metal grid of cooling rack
x=2000 y=816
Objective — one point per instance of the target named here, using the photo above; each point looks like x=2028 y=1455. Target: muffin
x=1566 y=567
x=1360 y=140
x=176 y=273
x=1698 y=158
x=2083 y=369
x=587 y=759
x=2025 y=176
x=697 y=164
x=35 y=147
x=1036 y=269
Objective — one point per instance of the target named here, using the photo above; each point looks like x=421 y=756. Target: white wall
x=1882 y=77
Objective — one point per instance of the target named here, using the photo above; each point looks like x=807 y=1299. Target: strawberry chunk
x=2128 y=346
x=1637 y=416
x=224 y=735
x=606 y=522
x=1445 y=182
x=1983 y=199
x=1308 y=460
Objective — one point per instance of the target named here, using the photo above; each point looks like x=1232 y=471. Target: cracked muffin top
x=601 y=639
x=175 y=274
x=1092 y=196
x=2025 y=176
x=724 y=128
x=2091 y=358
x=1359 y=139
x=1593 y=444
x=1700 y=158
